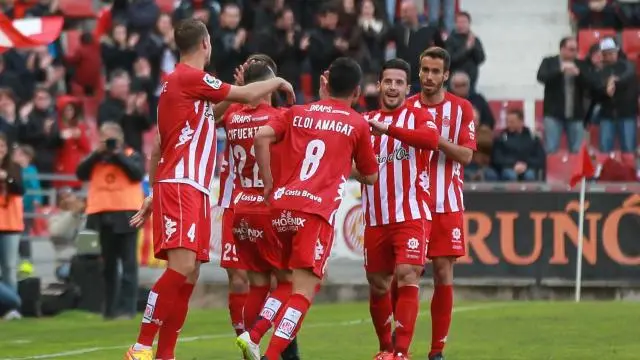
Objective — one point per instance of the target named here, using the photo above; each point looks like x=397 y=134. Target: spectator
x=46 y=70
x=40 y=130
x=448 y=13
x=230 y=42
x=8 y=115
x=289 y=54
x=467 y=52
x=325 y=43
x=162 y=52
x=66 y=221
x=23 y=155
x=480 y=167
x=43 y=8
x=21 y=62
x=374 y=30
x=84 y=62
x=118 y=49
x=410 y=39
x=125 y=108
x=619 y=103
x=596 y=14
x=195 y=8
x=74 y=135
x=517 y=152
x=143 y=84
x=566 y=82
x=460 y=85
x=11 y=215
x=142 y=16
x=267 y=14
x=114 y=172
x=9 y=79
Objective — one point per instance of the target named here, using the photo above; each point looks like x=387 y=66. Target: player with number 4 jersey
x=317 y=144
x=454 y=118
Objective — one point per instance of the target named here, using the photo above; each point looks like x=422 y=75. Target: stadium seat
x=78 y=9
x=559 y=169
x=306 y=84
x=539 y=116
x=71 y=40
x=166 y=6
x=631 y=43
x=588 y=37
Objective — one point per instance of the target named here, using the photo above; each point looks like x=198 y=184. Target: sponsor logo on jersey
x=399 y=153
x=213 y=82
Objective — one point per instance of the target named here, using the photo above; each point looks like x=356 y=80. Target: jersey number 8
x=313 y=155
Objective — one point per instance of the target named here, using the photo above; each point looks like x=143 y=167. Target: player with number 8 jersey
x=317 y=144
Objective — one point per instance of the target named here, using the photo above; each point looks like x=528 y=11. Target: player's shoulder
x=457 y=100
x=413 y=100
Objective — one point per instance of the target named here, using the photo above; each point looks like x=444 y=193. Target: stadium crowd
x=49 y=123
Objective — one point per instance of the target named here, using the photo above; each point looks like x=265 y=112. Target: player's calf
x=441 y=303
x=407 y=306
x=238 y=292
x=381 y=310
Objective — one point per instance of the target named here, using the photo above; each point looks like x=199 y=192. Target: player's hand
x=238 y=75
x=143 y=214
x=324 y=81
x=378 y=127
x=267 y=190
x=286 y=87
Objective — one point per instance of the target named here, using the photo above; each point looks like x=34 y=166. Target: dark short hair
x=280 y=13
x=465 y=14
x=344 y=77
x=259 y=57
x=189 y=34
x=565 y=40
x=516 y=112
x=328 y=8
x=118 y=73
x=398 y=64
x=436 y=52
x=257 y=71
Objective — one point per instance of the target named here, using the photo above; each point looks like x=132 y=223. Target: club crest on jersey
x=446 y=121
x=212 y=81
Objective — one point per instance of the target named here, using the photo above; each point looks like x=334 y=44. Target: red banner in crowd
x=30 y=32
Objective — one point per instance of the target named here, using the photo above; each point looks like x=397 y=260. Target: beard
x=393 y=105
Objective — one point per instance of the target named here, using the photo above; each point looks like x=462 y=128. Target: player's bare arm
x=455 y=152
x=255 y=91
x=422 y=138
x=142 y=215
x=364 y=179
x=262 y=142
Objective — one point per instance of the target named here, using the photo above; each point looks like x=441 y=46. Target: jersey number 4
x=313 y=155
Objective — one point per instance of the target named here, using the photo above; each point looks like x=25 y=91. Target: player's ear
x=378 y=86
x=357 y=93
x=408 y=90
x=446 y=76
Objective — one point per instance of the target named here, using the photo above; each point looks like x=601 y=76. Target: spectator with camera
x=618 y=102
x=115 y=172
x=517 y=152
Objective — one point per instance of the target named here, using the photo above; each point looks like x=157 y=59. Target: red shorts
x=401 y=243
x=229 y=258
x=447 y=235
x=258 y=246
x=306 y=239
x=181 y=220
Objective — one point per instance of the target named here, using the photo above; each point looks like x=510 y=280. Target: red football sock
x=170 y=330
x=236 y=304
x=441 y=308
x=406 y=315
x=253 y=305
x=287 y=325
x=160 y=304
x=382 y=317
x=272 y=307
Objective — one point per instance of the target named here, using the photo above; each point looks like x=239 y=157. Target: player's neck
x=263 y=101
x=434 y=99
x=345 y=102
x=192 y=61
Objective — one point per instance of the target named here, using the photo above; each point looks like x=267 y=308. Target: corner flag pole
x=583 y=188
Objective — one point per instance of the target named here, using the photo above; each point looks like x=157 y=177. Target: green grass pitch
x=481 y=331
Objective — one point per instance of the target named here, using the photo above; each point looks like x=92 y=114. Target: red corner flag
x=584 y=167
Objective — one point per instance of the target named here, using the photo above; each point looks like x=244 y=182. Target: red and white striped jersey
x=454 y=118
x=225 y=193
x=186 y=127
x=401 y=192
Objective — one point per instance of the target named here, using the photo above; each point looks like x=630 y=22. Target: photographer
x=115 y=174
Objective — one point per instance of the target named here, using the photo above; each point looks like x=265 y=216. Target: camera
x=111 y=144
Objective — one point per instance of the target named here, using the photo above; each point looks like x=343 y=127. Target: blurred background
x=546 y=78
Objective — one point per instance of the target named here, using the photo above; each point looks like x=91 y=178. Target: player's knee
x=238 y=280
x=443 y=271
x=379 y=284
x=408 y=274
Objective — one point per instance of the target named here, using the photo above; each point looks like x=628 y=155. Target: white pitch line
x=230 y=335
